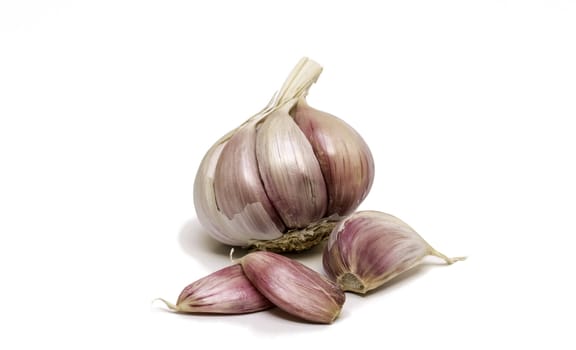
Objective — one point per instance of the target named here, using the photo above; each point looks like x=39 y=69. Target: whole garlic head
x=283 y=178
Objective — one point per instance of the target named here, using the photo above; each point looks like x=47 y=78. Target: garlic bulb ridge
x=281 y=180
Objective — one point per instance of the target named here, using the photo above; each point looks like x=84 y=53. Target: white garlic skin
x=289 y=170
x=285 y=169
x=369 y=248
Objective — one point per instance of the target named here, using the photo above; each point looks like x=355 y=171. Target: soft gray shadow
x=195 y=241
x=194 y=238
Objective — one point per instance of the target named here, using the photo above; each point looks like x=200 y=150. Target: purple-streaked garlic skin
x=290 y=171
x=226 y=291
x=283 y=178
x=369 y=248
x=344 y=157
x=237 y=179
x=294 y=287
x=252 y=223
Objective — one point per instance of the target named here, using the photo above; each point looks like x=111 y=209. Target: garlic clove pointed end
x=169 y=305
x=448 y=260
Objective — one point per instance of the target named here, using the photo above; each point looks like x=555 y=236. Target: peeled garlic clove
x=369 y=248
x=226 y=291
x=293 y=287
x=344 y=157
x=282 y=179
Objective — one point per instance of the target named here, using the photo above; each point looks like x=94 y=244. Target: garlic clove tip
x=168 y=304
x=448 y=260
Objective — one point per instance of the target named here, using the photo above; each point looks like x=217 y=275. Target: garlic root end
x=297 y=240
x=351 y=283
x=231 y=255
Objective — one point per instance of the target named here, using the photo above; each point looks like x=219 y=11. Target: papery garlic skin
x=348 y=170
x=253 y=222
x=289 y=170
x=226 y=291
x=294 y=287
x=369 y=248
x=282 y=179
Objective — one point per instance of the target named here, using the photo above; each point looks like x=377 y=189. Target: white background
x=107 y=107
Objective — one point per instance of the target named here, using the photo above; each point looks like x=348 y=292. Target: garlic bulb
x=281 y=180
x=369 y=248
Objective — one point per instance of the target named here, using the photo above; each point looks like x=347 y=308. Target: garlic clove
x=290 y=171
x=252 y=223
x=369 y=248
x=205 y=199
x=237 y=181
x=226 y=291
x=293 y=287
x=343 y=155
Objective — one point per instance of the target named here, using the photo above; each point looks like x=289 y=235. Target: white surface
x=106 y=109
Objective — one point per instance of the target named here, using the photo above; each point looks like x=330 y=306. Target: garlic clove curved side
x=294 y=287
x=237 y=181
x=252 y=223
x=290 y=171
x=226 y=291
x=343 y=155
x=369 y=248
x=205 y=199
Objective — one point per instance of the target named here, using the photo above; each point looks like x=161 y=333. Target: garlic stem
x=296 y=85
x=304 y=74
